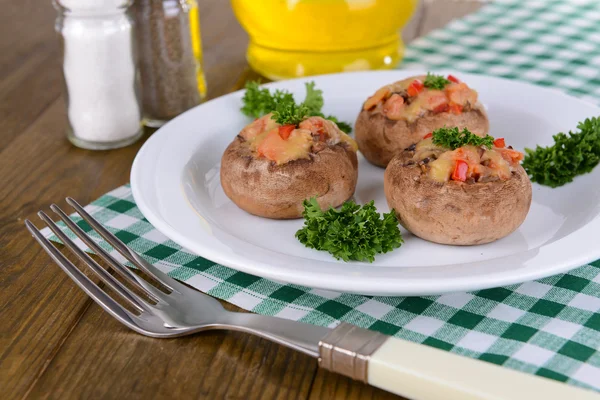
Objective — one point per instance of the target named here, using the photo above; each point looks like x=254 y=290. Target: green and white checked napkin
x=549 y=327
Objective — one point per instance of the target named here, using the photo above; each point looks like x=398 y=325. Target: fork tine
x=133 y=299
x=90 y=288
x=122 y=270
x=130 y=255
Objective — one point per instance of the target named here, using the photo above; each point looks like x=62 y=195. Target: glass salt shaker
x=170 y=56
x=100 y=72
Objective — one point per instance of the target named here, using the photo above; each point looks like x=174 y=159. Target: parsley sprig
x=259 y=101
x=571 y=155
x=352 y=233
x=452 y=138
x=288 y=113
x=314 y=99
x=435 y=81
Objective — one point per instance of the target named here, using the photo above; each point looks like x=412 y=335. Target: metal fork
x=176 y=310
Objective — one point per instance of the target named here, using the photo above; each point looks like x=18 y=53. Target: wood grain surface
x=54 y=341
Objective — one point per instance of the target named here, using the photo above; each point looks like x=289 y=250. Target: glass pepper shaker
x=100 y=72
x=170 y=56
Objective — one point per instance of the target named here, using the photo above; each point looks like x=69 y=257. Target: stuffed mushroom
x=463 y=196
x=402 y=113
x=270 y=169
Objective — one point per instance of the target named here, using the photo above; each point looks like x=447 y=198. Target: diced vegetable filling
x=467 y=163
x=412 y=98
x=284 y=143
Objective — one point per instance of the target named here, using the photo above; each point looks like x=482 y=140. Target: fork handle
x=421 y=372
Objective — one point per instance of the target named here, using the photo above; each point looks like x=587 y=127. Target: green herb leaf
x=571 y=155
x=352 y=233
x=314 y=99
x=435 y=81
x=258 y=102
x=288 y=113
x=452 y=138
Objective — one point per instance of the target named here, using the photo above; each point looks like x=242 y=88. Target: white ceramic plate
x=175 y=182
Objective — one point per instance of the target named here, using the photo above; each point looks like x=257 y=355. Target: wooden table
x=54 y=341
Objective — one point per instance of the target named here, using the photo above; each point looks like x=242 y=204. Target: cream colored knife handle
x=420 y=372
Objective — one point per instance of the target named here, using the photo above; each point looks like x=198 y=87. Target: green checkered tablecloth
x=549 y=327
x=547 y=42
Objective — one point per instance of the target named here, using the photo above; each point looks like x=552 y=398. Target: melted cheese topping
x=264 y=138
x=395 y=103
x=275 y=148
x=484 y=164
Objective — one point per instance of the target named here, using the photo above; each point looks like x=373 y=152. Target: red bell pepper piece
x=430 y=134
x=286 y=130
x=452 y=78
x=460 y=171
x=415 y=88
x=441 y=108
x=499 y=142
x=456 y=108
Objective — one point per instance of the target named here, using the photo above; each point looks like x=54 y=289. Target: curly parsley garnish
x=314 y=99
x=571 y=155
x=258 y=102
x=435 y=81
x=352 y=233
x=288 y=113
x=452 y=138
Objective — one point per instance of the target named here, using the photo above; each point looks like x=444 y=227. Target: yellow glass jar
x=292 y=38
